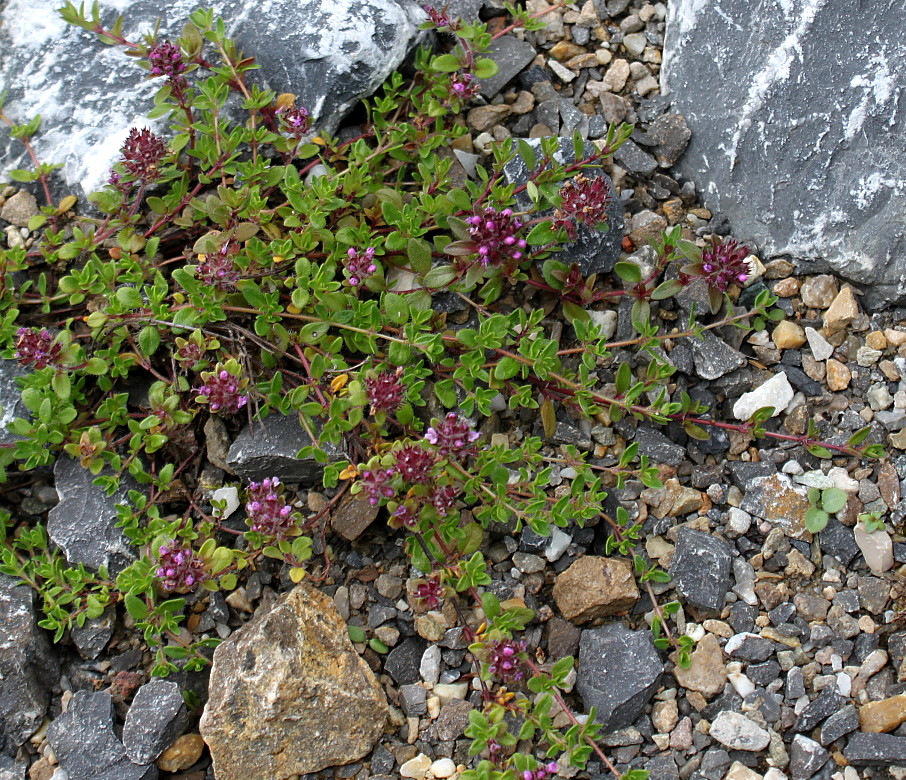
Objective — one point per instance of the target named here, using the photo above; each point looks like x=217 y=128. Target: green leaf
x=628 y=272
x=148 y=340
x=129 y=297
x=446 y=63
x=61 y=386
x=815 y=519
x=356 y=634
x=859 y=436
x=833 y=499
x=818 y=451
x=484 y=68
x=440 y=276
x=507 y=368
x=136 y=607
x=666 y=290
x=490 y=604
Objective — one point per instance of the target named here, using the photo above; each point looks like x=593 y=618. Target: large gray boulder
x=89 y=95
x=796 y=116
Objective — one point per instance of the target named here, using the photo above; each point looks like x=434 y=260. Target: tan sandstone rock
x=595 y=587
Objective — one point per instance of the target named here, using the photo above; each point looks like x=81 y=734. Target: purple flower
x=376 y=484
x=267 y=510
x=440 y=19
x=179 y=567
x=167 y=60
x=221 y=391
x=724 y=263
x=430 y=592
x=584 y=201
x=404 y=516
x=453 y=437
x=464 y=85
x=219 y=270
x=443 y=498
x=495 y=236
x=37 y=349
x=541 y=773
x=385 y=391
x=414 y=464
x=295 y=120
x=141 y=155
x=503 y=659
x=359 y=265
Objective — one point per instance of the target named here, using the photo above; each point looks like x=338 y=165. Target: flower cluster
x=268 y=513
x=429 y=593
x=180 y=568
x=37 y=349
x=443 y=498
x=294 y=120
x=141 y=155
x=221 y=391
x=414 y=464
x=723 y=263
x=495 y=236
x=359 y=265
x=404 y=516
x=376 y=484
x=166 y=60
x=583 y=200
x=453 y=436
x=503 y=659
x=218 y=270
x=385 y=391
x=441 y=19
x=541 y=773
x=463 y=85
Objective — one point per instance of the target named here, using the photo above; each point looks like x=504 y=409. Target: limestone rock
x=775 y=499
x=737 y=732
x=289 y=694
x=707 y=672
x=791 y=134
x=594 y=587
x=776 y=392
x=701 y=568
x=89 y=95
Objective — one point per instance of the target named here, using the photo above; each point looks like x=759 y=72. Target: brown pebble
x=184 y=752
x=786 y=288
x=838 y=375
x=876 y=340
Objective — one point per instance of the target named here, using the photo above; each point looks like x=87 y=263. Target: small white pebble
x=443 y=767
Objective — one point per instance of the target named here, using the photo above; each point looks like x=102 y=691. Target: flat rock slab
x=594 y=587
x=619 y=671
x=701 y=568
x=792 y=105
x=289 y=694
x=329 y=55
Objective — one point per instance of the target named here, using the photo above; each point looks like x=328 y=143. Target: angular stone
x=714 y=358
x=619 y=670
x=511 y=56
x=822 y=706
x=11 y=405
x=776 y=392
x=778 y=501
x=268 y=447
x=658 y=447
x=843 y=310
x=737 y=732
x=669 y=134
x=707 y=672
x=92 y=637
x=838 y=540
x=593 y=251
x=403 y=662
x=876 y=547
x=806 y=757
x=594 y=587
x=839 y=724
x=289 y=694
x=28 y=670
x=875 y=750
x=330 y=54
x=83 y=524
x=352 y=516
x=157 y=716
x=884 y=715
x=86 y=746
x=10 y=770
x=701 y=568
x=813 y=94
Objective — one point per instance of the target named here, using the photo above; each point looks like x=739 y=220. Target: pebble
x=876 y=547
x=616 y=76
x=443 y=767
x=416 y=768
x=842 y=311
x=776 y=392
x=706 y=672
x=788 y=335
x=838 y=376
x=184 y=752
x=821 y=348
x=818 y=292
x=737 y=732
x=20 y=208
x=635 y=43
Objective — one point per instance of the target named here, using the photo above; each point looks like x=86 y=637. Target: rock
x=416 y=768
x=288 y=693
x=843 y=310
x=737 y=732
x=822 y=706
x=443 y=767
x=821 y=348
x=884 y=715
x=788 y=335
x=701 y=568
x=92 y=637
x=403 y=662
x=83 y=524
x=452 y=721
x=11 y=405
x=814 y=95
x=20 y=208
x=268 y=447
x=616 y=76
x=593 y=251
x=806 y=757
x=876 y=547
x=669 y=135
x=83 y=740
x=714 y=358
x=838 y=376
x=664 y=715
x=182 y=754
x=818 y=292
x=330 y=54
x=10 y=770
x=511 y=56
x=157 y=715
x=875 y=750
x=658 y=447
x=635 y=160
x=28 y=669
x=594 y=587
x=749 y=647
x=839 y=724
x=352 y=516
x=483 y=118
x=776 y=392
x=619 y=670
x=778 y=501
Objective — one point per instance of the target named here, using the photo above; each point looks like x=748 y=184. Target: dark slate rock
x=749 y=647
x=714 y=358
x=89 y=95
x=669 y=135
x=742 y=473
x=83 y=524
x=619 y=670
x=634 y=159
x=511 y=56
x=157 y=716
x=662 y=768
x=800 y=380
x=413 y=700
x=792 y=140
x=742 y=617
x=839 y=724
x=594 y=251
x=86 y=746
x=10 y=770
x=268 y=447
x=806 y=757
x=403 y=661
x=715 y=763
x=823 y=706
x=764 y=673
x=838 y=540
x=701 y=568
x=875 y=750
x=93 y=636
x=11 y=405
x=28 y=670
x=718 y=440
x=658 y=447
